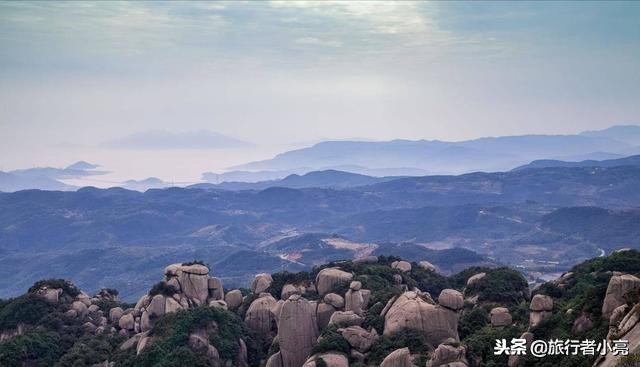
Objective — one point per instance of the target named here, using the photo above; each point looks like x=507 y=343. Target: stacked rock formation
x=624 y=320
x=540 y=309
x=297 y=333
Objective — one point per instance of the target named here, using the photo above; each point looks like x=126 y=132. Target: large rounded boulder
x=412 y=311
x=331 y=277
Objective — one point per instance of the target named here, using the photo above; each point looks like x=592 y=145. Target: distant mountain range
x=487 y=154
x=328 y=164
x=46 y=178
x=633 y=160
x=327 y=178
x=523 y=218
x=144 y=185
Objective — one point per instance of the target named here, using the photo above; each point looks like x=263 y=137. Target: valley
x=541 y=221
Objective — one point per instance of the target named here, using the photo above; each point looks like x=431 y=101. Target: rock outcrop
x=451 y=299
x=412 y=311
x=260 y=314
x=330 y=359
x=194 y=283
x=331 y=277
x=354 y=300
x=199 y=343
x=581 y=324
x=359 y=338
x=261 y=282
x=297 y=332
x=334 y=300
x=618 y=286
x=346 y=318
x=427 y=266
x=233 y=299
x=398 y=358
x=475 y=278
x=216 y=291
x=500 y=316
x=403 y=266
x=448 y=355
x=540 y=307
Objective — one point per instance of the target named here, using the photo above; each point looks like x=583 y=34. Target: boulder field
x=378 y=312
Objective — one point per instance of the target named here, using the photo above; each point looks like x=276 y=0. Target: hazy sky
x=76 y=79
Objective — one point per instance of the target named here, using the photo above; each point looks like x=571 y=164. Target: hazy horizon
x=83 y=81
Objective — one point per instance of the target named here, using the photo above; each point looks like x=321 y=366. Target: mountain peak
x=82 y=166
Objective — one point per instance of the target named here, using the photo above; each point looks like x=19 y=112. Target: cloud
x=383 y=17
x=317 y=41
x=164 y=140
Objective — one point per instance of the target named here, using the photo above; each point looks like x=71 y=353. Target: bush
x=429 y=281
x=66 y=286
x=471 y=321
x=172 y=333
x=27 y=309
x=89 y=350
x=413 y=339
x=41 y=346
x=285 y=277
x=503 y=285
x=374 y=319
x=163 y=289
x=480 y=344
x=550 y=290
x=331 y=340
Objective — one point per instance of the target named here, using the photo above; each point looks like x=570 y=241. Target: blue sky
x=75 y=76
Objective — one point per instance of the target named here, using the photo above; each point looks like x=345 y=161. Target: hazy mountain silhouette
x=326 y=178
x=10 y=182
x=46 y=178
x=146 y=184
x=629 y=134
x=633 y=160
x=434 y=156
x=261 y=176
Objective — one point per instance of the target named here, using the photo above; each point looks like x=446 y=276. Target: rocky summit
x=380 y=312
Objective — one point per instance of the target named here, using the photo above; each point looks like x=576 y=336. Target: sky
x=174 y=89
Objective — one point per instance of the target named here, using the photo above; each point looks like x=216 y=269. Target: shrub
x=374 y=319
x=471 y=321
x=429 y=281
x=89 y=350
x=163 y=289
x=550 y=290
x=66 y=286
x=413 y=339
x=285 y=277
x=503 y=285
x=41 y=346
x=480 y=344
x=331 y=340
x=27 y=309
x=172 y=333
